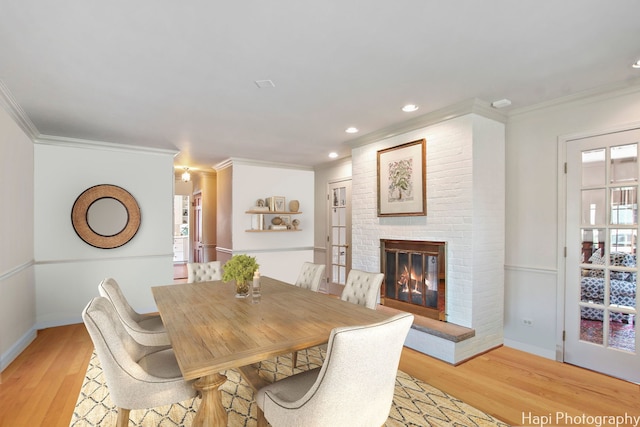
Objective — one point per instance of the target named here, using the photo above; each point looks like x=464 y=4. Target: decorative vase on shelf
x=294 y=205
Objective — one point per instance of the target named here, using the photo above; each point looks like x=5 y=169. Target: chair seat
x=290 y=389
x=152 y=324
x=161 y=364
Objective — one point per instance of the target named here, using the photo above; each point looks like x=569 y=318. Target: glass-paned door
x=339 y=235
x=601 y=266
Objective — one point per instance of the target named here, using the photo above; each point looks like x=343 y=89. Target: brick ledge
x=444 y=330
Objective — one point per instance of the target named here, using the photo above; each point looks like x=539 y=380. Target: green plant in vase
x=241 y=269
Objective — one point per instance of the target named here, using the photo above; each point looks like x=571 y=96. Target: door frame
x=561 y=282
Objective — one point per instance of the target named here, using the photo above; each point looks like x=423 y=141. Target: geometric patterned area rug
x=415 y=403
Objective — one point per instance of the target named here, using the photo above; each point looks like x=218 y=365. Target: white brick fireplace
x=465 y=208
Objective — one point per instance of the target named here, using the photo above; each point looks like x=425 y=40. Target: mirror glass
x=107 y=216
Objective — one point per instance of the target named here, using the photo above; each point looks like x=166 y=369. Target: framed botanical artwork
x=402 y=180
x=279 y=203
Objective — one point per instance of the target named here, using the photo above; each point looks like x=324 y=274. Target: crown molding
x=600 y=93
x=16 y=112
x=250 y=162
x=470 y=106
x=333 y=163
x=102 y=145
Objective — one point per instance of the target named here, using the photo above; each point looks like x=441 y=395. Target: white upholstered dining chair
x=362 y=288
x=137 y=376
x=354 y=387
x=203 y=271
x=147 y=329
x=310 y=276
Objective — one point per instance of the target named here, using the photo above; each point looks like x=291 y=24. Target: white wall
x=17 y=283
x=280 y=254
x=68 y=270
x=533 y=266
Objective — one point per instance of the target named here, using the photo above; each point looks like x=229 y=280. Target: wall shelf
x=275 y=213
x=272 y=231
x=270 y=214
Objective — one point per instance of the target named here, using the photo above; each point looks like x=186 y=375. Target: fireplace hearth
x=414 y=276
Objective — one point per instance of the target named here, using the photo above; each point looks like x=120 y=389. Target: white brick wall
x=465 y=208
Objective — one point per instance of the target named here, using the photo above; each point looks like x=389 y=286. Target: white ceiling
x=181 y=74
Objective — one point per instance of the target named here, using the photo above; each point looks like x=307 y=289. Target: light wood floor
x=41 y=386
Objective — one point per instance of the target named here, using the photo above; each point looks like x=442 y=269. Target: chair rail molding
x=17 y=269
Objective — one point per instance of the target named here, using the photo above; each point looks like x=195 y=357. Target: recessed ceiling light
x=501 y=103
x=263 y=84
x=351 y=130
x=636 y=64
x=333 y=154
x=410 y=108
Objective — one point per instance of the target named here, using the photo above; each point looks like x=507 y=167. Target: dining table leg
x=211 y=412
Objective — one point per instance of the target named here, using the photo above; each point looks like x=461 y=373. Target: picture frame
x=279 y=204
x=402 y=180
x=286 y=219
x=268 y=203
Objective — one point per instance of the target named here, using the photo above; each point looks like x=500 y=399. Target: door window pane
x=593 y=167
x=336 y=255
x=593 y=206
x=592 y=286
x=622 y=334
x=337 y=217
x=624 y=163
x=623 y=240
x=336 y=236
x=591 y=329
x=592 y=245
x=624 y=205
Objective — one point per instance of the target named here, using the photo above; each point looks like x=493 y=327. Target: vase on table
x=242 y=289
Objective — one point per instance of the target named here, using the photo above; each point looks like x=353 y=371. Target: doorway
x=181 y=235
x=338 y=235
x=198 y=245
x=600 y=308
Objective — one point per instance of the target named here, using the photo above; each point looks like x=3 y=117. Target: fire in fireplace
x=414 y=276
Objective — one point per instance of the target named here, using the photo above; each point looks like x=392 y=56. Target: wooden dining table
x=211 y=331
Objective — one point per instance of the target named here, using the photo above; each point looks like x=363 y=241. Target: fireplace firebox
x=414 y=276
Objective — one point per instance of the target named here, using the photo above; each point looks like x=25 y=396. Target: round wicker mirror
x=106 y=216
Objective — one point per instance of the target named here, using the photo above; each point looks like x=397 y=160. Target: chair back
x=203 y=271
x=110 y=289
x=362 y=288
x=356 y=383
x=130 y=385
x=146 y=329
x=310 y=276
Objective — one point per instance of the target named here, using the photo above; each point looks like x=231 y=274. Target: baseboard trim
x=18 y=347
x=528 y=348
